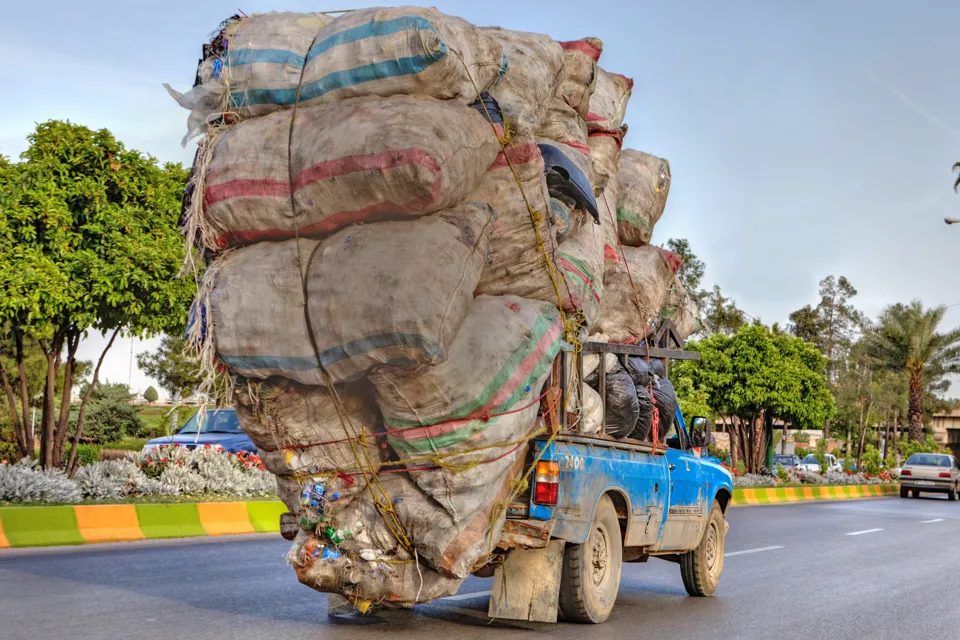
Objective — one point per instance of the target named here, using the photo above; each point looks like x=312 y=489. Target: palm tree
x=906 y=339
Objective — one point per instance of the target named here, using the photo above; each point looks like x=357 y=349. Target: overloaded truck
x=426 y=277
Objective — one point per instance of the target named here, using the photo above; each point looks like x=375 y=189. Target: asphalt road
x=873 y=569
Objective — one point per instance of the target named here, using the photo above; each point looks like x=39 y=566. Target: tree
x=906 y=339
x=834 y=325
x=89 y=241
x=691 y=268
x=175 y=372
x=720 y=314
x=754 y=378
x=151 y=395
x=110 y=414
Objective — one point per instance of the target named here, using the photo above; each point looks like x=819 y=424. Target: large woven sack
x=632 y=297
x=581 y=260
x=375 y=296
x=607 y=205
x=534 y=68
x=515 y=264
x=345 y=163
x=273 y=61
x=644 y=186
x=605 y=153
x=682 y=310
x=497 y=365
x=298 y=430
x=608 y=104
x=579 y=78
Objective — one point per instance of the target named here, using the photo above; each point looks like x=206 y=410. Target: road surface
x=873 y=569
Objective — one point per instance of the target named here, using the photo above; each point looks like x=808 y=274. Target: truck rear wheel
x=701 y=568
x=591 y=571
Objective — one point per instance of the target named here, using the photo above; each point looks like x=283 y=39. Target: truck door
x=685 y=513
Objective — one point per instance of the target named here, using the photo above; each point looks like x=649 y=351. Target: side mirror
x=700 y=431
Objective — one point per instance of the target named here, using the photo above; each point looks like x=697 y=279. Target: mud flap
x=527 y=585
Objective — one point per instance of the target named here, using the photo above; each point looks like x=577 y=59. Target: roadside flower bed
x=797 y=476
x=170 y=471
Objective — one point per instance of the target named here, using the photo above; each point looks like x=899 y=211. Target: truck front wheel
x=591 y=571
x=701 y=568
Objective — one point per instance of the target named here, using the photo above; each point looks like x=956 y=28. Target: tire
x=916 y=493
x=702 y=567
x=952 y=494
x=904 y=492
x=591 y=571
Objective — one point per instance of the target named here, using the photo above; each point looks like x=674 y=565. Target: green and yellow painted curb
x=781 y=495
x=88 y=524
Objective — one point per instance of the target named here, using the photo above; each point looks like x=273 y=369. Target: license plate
x=924 y=483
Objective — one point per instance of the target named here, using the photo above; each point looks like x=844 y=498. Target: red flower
x=163 y=460
x=206 y=446
x=179 y=463
x=176 y=444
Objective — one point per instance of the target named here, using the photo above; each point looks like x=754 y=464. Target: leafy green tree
x=720 y=314
x=754 y=378
x=89 y=242
x=177 y=373
x=906 y=339
x=691 y=268
x=151 y=395
x=834 y=325
x=110 y=414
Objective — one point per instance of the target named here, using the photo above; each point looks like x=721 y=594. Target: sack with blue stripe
x=273 y=61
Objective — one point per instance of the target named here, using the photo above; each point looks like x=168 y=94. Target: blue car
x=220 y=429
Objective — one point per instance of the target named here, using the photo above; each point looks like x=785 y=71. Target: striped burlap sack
x=608 y=104
x=269 y=62
x=344 y=163
x=478 y=408
x=375 y=295
x=634 y=293
x=642 y=194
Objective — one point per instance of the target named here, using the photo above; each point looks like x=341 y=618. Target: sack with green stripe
x=264 y=63
x=498 y=363
x=644 y=185
x=580 y=258
x=375 y=294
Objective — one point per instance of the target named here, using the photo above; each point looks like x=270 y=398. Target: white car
x=810 y=463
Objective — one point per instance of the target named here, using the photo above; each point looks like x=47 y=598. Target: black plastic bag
x=666 y=399
x=639 y=371
x=621 y=403
x=656 y=368
x=645 y=417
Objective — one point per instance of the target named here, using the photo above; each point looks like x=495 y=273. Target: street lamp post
x=951 y=220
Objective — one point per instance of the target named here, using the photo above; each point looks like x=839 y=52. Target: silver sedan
x=930 y=473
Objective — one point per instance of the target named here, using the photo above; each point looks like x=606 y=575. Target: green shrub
x=872 y=461
x=130 y=444
x=86 y=454
x=821 y=454
x=151 y=395
x=782 y=474
x=801 y=437
x=802 y=452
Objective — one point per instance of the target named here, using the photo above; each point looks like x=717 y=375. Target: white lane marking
x=932 y=521
x=467 y=596
x=860 y=533
x=746 y=551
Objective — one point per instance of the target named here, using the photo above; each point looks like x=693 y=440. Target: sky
x=805 y=137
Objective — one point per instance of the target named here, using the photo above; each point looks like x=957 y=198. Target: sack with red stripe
x=644 y=183
x=607 y=205
x=579 y=79
x=581 y=260
x=299 y=432
x=605 y=153
x=515 y=264
x=608 y=104
x=478 y=409
x=342 y=164
x=534 y=67
x=634 y=293
x=375 y=295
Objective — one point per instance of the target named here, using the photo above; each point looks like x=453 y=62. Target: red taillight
x=945 y=474
x=906 y=472
x=546 y=485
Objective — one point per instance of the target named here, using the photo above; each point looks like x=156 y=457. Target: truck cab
x=596 y=502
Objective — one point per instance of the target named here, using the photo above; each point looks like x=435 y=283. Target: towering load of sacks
x=404 y=219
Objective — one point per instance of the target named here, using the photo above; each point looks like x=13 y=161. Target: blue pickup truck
x=596 y=502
